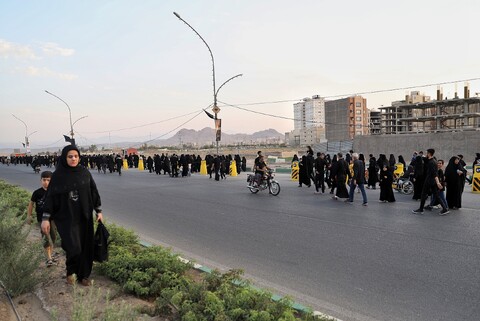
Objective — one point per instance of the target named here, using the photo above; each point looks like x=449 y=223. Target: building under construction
x=422 y=115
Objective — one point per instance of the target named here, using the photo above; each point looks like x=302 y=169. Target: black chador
x=71 y=198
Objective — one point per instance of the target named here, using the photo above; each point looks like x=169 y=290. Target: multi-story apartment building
x=309 y=123
x=346 y=118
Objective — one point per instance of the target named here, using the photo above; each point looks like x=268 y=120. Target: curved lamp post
x=78 y=120
x=27 y=135
x=215 y=109
x=69 y=111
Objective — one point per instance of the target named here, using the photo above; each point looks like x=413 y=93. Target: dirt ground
x=52 y=300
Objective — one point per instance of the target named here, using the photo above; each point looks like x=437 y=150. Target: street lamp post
x=78 y=120
x=27 y=143
x=70 y=114
x=215 y=109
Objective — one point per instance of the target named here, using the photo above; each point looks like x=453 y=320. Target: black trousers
x=320 y=182
x=427 y=188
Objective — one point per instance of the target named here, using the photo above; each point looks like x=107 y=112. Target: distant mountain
x=206 y=136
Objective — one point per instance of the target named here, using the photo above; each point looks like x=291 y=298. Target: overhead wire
x=143 y=125
x=292 y=118
x=163 y=135
x=238 y=106
x=362 y=93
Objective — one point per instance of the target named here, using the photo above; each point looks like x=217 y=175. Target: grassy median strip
x=19 y=258
x=152 y=273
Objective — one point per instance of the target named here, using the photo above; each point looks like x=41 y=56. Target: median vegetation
x=19 y=258
x=152 y=273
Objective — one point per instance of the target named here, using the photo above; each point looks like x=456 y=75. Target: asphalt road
x=355 y=263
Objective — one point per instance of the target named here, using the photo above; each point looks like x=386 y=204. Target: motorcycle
x=36 y=168
x=266 y=182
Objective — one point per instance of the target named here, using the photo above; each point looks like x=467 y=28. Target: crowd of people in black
x=427 y=173
x=174 y=165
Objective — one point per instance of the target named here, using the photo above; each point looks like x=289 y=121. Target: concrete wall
x=445 y=144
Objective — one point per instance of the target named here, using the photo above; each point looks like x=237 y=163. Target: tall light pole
x=78 y=120
x=70 y=113
x=27 y=143
x=215 y=108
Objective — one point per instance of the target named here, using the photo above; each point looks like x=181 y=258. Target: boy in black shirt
x=37 y=200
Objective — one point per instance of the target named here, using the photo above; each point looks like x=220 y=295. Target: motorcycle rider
x=261 y=169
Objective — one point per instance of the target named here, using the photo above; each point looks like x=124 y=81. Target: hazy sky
x=130 y=63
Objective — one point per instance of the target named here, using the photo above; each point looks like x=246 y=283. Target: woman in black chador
x=342 y=173
x=453 y=178
x=303 y=178
x=372 y=172
x=70 y=201
x=418 y=177
x=386 y=181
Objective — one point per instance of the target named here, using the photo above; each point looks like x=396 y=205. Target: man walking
x=358 y=179
x=432 y=184
x=320 y=165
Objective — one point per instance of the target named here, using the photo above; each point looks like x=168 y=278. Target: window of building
x=359 y=126
x=359 y=133
x=359 y=111
x=358 y=118
x=358 y=104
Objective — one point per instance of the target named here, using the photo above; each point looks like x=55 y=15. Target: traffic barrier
x=203 y=167
x=398 y=170
x=140 y=165
x=294 y=173
x=125 y=164
x=476 y=179
x=233 y=168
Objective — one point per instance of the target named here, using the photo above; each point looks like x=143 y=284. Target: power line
x=361 y=93
x=291 y=118
x=144 y=125
x=404 y=88
x=201 y=111
x=336 y=96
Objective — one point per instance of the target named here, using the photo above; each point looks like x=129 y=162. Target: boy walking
x=37 y=200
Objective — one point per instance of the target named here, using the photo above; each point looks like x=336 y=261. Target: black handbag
x=100 y=252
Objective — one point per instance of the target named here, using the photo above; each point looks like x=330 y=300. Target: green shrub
x=19 y=258
x=141 y=271
x=14 y=199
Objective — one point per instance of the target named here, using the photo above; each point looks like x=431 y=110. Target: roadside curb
x=275 y=297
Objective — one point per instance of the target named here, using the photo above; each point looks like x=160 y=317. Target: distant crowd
x=174 y=165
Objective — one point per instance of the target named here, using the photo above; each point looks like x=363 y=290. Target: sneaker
x=86 y=282
x=335 y=197
x=444 y=212
x=365 y=204
x=428 y=208
x=419 y=211
x=316 y=192
x=348 y=201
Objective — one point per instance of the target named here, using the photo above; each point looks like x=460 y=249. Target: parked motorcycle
x=266 y=182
